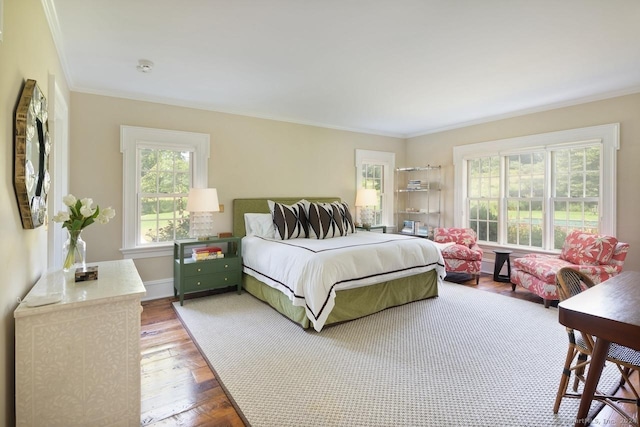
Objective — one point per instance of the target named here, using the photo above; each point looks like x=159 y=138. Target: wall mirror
x=31 y=160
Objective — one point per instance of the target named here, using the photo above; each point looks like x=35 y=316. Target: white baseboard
x=158 y=289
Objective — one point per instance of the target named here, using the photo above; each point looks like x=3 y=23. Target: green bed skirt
x=351 y=303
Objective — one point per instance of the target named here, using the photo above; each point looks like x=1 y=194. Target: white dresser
x=78 y=360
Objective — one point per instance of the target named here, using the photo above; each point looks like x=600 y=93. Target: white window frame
x=132 y=138
x=388 y=160
x=607 y=135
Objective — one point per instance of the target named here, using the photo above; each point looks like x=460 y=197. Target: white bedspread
x=310 y=271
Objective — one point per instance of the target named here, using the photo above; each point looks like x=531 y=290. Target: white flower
x=105 y=215
x=86 y=210
x=69 y=200
x=61 y=216
x=80 y=214
x=109 y=212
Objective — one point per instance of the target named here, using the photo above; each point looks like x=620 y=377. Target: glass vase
x=74 y=250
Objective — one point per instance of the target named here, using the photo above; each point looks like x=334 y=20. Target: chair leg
x=547 y=303
x=579 y=371
x=564 y=379
x=625 y=374
x=477 y=278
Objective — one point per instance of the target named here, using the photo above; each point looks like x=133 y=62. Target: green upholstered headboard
x=243 y=206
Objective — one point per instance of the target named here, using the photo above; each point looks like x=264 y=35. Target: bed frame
x=350 y=303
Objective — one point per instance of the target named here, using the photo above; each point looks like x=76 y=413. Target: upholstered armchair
x=460 y=250
x=599 y=257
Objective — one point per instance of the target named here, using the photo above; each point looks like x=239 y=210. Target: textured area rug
x=468 y=357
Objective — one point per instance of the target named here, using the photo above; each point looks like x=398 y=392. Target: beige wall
x=249 y=158
x=624 y=110
x=26 y=52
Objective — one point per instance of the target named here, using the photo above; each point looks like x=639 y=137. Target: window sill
x=147 y=252
x=518 y=251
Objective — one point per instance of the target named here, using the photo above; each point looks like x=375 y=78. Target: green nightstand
x=191 y=276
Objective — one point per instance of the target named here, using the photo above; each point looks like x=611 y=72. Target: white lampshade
x=203 y=200
x=201 y=204
x=366 y=197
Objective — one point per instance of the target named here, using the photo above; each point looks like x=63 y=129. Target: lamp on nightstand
x=201 y=204
x=366 y=197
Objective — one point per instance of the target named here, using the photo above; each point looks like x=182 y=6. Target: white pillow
x=259 y=224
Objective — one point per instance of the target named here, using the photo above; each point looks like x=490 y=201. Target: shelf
x=418 y=168
x=418 y=197
x=418 y=213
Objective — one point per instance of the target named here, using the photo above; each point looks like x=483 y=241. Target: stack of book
x=416 y=184
x=420 y=229
x=209 y=252
x=407 y=227
x=415 y=227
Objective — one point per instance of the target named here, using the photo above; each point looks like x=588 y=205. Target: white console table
x=78 y=360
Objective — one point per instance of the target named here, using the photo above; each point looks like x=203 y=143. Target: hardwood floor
x=179 y=388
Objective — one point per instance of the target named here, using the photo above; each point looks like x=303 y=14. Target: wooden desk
x=610 y=312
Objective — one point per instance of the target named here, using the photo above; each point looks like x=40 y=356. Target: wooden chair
x=571 y=282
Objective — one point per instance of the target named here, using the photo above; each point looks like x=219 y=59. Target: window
x=525 y=178
x=575 y=191
x=374 y=170
x=165 y=179
x=159 y=168
x=484 y=196
x=373 y=177
x=532 y=191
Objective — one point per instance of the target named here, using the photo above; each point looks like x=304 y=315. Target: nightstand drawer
x=220 y=280
x=212 y=266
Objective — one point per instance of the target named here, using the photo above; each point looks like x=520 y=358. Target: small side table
x=194 y=276
x=502 y=256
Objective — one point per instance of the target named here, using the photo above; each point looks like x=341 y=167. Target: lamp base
x=201 y=225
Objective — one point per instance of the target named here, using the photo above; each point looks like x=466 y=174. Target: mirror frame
x=31 y=159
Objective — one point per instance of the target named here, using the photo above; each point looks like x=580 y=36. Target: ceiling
x=390 y=67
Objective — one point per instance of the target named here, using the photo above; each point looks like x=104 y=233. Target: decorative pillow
x=588 y=249
x=259 y=224
x=290 y=220
x=459 y=236
x=347 y=219
x=325 y=220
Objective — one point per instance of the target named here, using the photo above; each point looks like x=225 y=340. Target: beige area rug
x=466 y=358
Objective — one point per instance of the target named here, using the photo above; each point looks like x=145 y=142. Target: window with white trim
x=160 y=166
x=374 y=170
x=530 y=192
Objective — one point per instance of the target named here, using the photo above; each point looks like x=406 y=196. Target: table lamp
x=366 y=197
x=201 y=204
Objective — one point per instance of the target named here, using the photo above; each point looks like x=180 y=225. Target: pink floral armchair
x=462 y=254
x=599 y=257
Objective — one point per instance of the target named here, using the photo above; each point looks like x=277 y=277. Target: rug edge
x=215 y=373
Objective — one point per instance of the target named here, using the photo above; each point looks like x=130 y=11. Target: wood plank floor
x=179 y=388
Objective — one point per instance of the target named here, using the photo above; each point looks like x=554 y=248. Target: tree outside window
x=164 y=186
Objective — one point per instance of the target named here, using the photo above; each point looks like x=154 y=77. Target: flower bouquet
x=79 y=216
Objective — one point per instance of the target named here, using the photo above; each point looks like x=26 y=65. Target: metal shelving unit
x=418 y=199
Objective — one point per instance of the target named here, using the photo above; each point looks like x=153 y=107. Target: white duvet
x=310 y=271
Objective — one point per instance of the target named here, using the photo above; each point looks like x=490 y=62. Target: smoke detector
x=144 y=66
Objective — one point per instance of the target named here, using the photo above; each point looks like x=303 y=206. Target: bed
x=333 y=294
